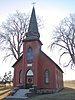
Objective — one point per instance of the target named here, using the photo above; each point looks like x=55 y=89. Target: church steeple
x=33 y=27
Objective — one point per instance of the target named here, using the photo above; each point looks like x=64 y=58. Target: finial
x=34 y=3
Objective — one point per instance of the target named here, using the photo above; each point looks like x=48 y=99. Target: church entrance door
x=29 y=79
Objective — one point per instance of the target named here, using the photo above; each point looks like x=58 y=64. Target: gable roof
x=17 y=61
x=52 y=61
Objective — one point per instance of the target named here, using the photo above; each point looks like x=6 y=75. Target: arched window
x=46 y=76
x=20 y=76
x=29 y=54
x=30 y=73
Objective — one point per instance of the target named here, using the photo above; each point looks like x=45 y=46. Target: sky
x=52 y=12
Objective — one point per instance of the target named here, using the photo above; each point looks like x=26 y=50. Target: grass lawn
x=4 y=92
x=4 y=95
x=65 y=94
x=68 y=93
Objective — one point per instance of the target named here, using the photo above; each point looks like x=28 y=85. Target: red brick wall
x=46 y=63
x=17 y=69
x=59 y=79
x=39 y=63
x=36 y=46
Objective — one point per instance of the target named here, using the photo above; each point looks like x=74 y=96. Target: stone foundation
x=47 y=91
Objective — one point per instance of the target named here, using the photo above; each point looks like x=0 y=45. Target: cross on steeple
x=34 y=3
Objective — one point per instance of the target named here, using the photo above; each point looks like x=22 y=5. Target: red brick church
x=34 y=67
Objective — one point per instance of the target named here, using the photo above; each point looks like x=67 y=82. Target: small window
x=29 y=54
x=20 y=76
x=46 y=76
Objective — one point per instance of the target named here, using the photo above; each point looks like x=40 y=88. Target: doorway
x=29 y=79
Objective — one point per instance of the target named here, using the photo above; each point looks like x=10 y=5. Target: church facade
x=34 y=67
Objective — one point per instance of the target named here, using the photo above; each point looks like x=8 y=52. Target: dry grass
x=4 y=95
x=69 y=84
x=68 y=93
x=4 y=91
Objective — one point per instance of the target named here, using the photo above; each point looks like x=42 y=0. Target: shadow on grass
x=65 y=94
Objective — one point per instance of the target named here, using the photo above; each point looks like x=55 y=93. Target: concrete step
x=19 y=95
x=15 y=98
x=21 y=92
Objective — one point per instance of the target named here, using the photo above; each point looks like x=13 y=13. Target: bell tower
x=31 y=50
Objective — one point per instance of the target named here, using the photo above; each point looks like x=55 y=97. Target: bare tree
x=64 y=38
x=7 y=78
x=12 y=33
